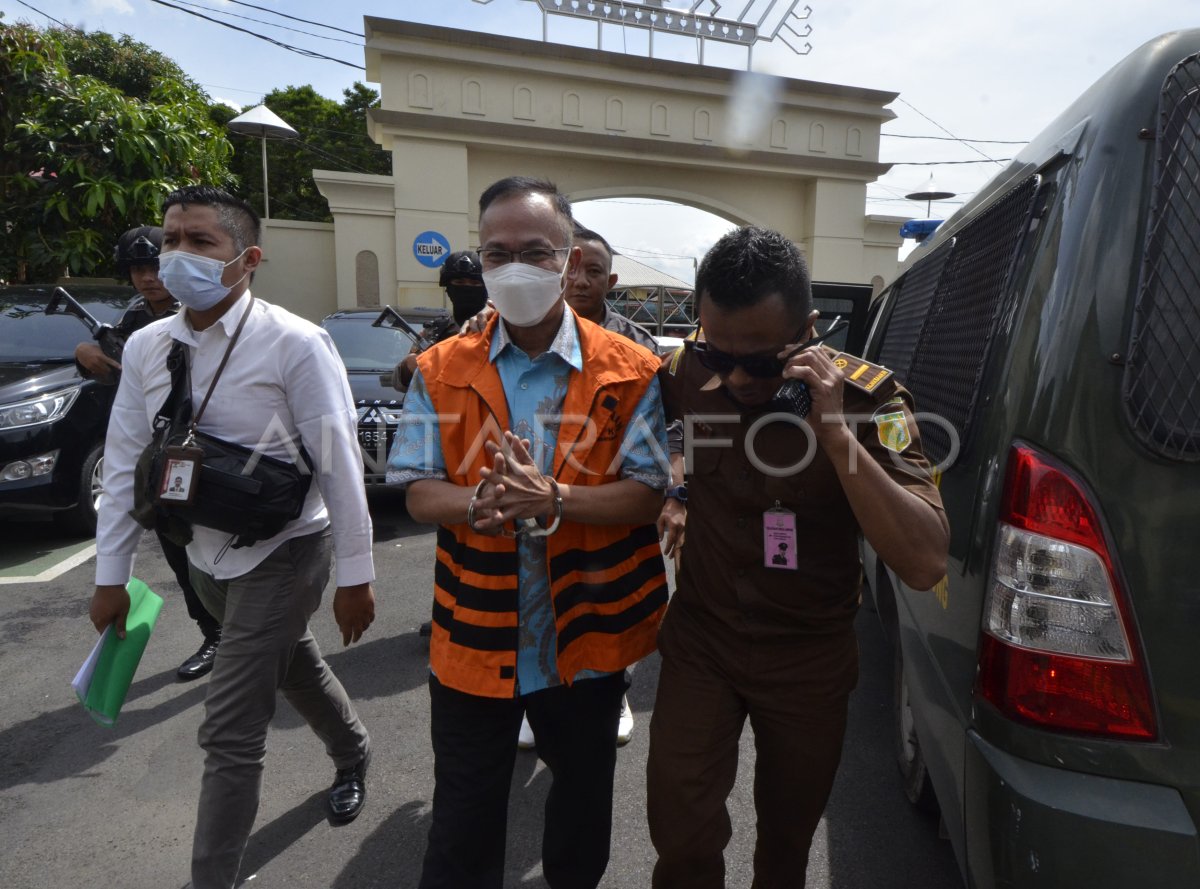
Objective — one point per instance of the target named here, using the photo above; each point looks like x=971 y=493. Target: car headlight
x=38 y=411
x=30 y=467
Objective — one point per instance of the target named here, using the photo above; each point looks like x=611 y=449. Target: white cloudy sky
x=980 y=69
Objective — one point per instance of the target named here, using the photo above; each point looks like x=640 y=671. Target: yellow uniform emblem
x=893 y=431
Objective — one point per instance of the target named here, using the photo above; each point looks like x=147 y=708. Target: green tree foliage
x=333 y=136
x=83 y=159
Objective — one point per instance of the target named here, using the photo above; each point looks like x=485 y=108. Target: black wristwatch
x=677 y=492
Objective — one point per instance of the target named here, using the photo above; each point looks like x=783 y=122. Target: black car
x=52 y=421
x=369 y=353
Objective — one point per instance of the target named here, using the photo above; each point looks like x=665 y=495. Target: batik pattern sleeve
x=644 y=446
x=417 y=448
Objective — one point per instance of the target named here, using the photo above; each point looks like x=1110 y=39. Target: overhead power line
x=47 y=15
x=646 y=252
x=312 y=54
x=948 y=133
x=294 y=19
x=956 y=139
x=268 y=24
x=990 y=160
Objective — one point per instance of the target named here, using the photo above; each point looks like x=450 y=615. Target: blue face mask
x=195 y=280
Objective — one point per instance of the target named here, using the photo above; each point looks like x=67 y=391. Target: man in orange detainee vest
x=538 y=447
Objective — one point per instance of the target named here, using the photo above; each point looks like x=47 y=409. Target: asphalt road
x=86 y=806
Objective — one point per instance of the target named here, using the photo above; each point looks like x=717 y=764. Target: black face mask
x=467 y=300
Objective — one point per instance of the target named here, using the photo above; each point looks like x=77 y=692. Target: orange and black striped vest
x=607 y=582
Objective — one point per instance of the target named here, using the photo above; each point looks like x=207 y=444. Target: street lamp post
x=261 y=121
x=929 y=194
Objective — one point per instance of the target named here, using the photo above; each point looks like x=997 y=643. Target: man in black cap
x=136 y=255
x=462 y=278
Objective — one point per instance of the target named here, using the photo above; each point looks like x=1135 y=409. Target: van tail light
x=1059 y=648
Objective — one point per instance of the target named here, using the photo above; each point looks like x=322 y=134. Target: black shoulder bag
x=229 y=487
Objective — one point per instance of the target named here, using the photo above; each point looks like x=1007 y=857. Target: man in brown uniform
x=761 y=624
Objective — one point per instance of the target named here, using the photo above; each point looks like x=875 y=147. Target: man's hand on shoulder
x=354 y=610
x=110 y=604
x=477 y=322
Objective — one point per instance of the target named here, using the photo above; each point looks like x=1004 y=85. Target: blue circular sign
x=431 y=248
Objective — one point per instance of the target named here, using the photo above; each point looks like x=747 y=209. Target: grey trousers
x=266 y=646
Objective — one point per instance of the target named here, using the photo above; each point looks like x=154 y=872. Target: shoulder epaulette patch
x=862 y=374
x=893 y=429
x=676 y=357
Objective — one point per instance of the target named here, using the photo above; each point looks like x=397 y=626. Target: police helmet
x=463 y=264
x=138 y=246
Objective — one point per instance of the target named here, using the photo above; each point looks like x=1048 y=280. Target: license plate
x=372 y=438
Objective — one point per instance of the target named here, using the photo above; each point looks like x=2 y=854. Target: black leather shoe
x=199 y=664
x=348 y=794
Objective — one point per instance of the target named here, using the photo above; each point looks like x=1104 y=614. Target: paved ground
x=84 y=806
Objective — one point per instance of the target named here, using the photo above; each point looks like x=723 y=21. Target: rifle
x=389 y=317
x=111 y=341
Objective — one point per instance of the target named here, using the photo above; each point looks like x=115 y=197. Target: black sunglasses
x=761 y=366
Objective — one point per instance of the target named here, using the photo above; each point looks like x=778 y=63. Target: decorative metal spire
x=755 y=20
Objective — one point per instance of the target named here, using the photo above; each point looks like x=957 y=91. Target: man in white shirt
x=283 y=388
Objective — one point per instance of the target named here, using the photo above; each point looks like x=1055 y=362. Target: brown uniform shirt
x=722 y=576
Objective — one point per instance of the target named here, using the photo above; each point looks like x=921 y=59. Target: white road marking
x=54 y=570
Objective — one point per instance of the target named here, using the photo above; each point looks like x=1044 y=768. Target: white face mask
x=523 y=294
x=195 y=280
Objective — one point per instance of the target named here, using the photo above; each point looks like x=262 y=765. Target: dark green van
x=1048 y=690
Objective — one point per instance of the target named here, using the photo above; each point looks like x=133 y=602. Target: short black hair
x=586 y=234
x=748 y=265
x=236 y=217
x=520 y=185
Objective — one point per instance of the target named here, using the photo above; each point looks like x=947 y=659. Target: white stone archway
x=460 y=110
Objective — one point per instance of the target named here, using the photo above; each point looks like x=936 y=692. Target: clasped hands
x=513 y=488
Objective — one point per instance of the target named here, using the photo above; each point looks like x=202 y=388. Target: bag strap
x=220 y=367
x=176 y=409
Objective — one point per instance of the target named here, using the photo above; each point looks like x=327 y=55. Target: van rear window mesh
x=1162 y=375
x=950 y=355
x=912 y=305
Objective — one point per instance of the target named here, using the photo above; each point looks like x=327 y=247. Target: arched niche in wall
x=816 y=137
x=420 y=90
x=366 y=279
x=522 y=102
x=779 y=133
x=572 y=110
x=614 y=114
x=473 y=97
x=854 y=142
x=659 y=120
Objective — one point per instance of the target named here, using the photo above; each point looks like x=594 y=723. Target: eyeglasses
x=493 y=258
x=762 y=366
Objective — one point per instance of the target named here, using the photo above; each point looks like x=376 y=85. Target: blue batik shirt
x=535 y=390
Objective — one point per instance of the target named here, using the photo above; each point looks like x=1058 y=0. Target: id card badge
x=779 y=539
x=181 y=474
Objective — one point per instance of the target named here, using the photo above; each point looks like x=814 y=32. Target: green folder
x=104 y=679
